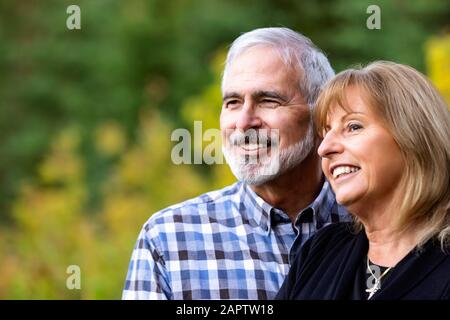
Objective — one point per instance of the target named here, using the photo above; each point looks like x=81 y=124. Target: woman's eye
x=354 y=126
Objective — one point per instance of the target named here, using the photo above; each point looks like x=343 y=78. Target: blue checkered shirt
x=225 y=244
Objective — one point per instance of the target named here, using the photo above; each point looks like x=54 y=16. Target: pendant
x=373 y=290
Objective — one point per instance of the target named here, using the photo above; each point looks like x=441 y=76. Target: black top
x=332 y=265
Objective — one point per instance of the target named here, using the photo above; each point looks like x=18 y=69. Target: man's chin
x=257 y=181
x=254 y=178
x=251 y=170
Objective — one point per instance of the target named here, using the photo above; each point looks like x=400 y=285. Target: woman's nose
x=331 y=144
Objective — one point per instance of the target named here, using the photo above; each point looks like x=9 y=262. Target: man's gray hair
x=296 y=50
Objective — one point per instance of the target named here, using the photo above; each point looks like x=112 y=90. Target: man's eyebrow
x=268 y=94
x=257 y=95
x=230 y=95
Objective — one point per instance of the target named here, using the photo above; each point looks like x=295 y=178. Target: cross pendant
x=373 y=290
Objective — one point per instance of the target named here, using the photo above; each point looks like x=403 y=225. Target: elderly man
x=236 y=243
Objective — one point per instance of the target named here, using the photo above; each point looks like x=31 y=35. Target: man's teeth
x=342 y=170
x=252 y=146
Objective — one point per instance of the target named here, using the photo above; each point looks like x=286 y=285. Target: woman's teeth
x=343 y=170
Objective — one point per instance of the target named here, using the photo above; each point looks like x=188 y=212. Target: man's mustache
x=261 y=137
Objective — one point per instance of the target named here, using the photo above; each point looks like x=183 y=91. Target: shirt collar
x=262 y=214
x=257 y=210
x=320 y=209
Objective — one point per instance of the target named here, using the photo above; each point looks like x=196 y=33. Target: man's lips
x=251 y=149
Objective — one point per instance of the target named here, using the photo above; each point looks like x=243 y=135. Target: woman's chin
x=346 y=200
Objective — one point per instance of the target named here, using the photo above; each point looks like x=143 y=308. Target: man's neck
x=295 y=189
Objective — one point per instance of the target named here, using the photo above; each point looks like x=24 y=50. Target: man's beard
x=264 y=168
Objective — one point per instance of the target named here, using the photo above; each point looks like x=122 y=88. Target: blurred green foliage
x=86 y=115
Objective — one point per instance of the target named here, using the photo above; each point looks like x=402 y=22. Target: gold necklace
x=377 y=285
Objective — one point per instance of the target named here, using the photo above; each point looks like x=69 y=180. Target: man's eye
x=266 y=103
x=231 y=104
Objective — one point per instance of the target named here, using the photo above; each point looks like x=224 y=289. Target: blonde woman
x=386 y=153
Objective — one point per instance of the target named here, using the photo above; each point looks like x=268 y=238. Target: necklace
x=377 y=284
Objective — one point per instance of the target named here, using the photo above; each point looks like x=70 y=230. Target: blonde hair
x=419 y=121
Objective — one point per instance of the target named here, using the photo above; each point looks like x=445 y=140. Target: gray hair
x=296 y=51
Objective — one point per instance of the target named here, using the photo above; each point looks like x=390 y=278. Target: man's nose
x=248 y=117
x=330 y=145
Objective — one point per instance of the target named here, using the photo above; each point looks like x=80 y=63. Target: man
x=235 y=243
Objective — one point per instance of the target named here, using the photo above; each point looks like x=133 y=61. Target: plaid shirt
x=225 y=244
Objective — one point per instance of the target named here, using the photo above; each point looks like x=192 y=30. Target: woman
x=386 y=153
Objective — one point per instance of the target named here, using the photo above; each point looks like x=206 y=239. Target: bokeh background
x=86 y=115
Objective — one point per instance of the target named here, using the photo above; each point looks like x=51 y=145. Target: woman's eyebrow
x=352 y=113
x=342 y=118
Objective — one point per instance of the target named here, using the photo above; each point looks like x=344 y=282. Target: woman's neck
x=388 y=245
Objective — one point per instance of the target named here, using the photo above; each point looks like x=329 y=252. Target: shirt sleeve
x=147 y=277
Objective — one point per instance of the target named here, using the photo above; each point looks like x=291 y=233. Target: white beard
x=271 y=166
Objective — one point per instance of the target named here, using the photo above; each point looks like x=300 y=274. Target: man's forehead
x=259 y=69
x=257 y=60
